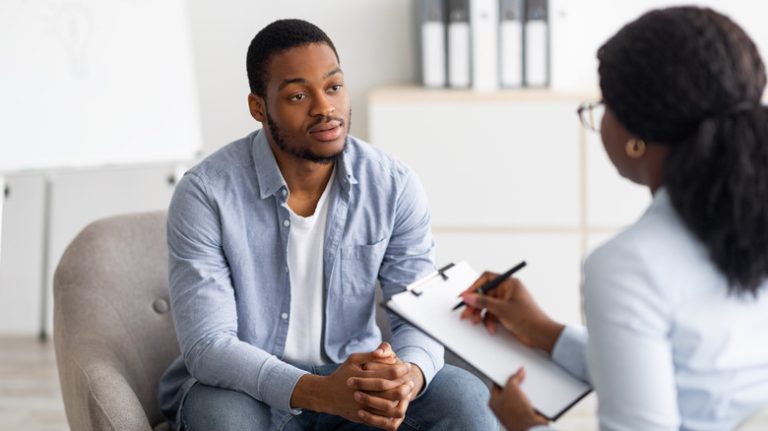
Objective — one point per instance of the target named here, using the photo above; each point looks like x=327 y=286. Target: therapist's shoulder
x=636 y=257
x=620 y=253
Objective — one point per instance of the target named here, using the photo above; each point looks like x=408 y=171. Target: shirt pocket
x=360 y=267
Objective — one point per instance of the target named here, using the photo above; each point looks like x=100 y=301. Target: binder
x=536 y=43
x=427 y=304
x=511 y=43
x=458 y=44
x=484 y=23
x=431 y=29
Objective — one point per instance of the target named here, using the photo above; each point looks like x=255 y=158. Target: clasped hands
x=372 y=388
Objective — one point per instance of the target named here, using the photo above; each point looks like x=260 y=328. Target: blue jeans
x=454 y=400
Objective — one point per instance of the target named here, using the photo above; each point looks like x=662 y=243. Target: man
x=276 y=242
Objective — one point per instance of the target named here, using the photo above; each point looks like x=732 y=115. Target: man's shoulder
x=367 y=159
x=236 y=154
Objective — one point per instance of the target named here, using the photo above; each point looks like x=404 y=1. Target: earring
x=635 y=148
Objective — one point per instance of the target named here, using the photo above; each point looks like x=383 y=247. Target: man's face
x=306 y=109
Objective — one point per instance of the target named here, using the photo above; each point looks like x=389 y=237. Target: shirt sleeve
x=570 y=351
x=629 y=354
x=409 y=255
x=203 y=305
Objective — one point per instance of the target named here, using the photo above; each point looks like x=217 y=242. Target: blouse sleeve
x=629 y=353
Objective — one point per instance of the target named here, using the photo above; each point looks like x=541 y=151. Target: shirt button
x=284 y=316
x=286 y=222
x=285 y=192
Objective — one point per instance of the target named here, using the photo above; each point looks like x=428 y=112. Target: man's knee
x=465 y=387
x=465 y=396
x=207 y=408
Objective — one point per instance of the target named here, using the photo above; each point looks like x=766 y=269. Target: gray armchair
x=113 y=330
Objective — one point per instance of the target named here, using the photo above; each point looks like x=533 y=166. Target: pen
x=489 y=286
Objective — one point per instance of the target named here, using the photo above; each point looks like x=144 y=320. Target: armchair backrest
x=113 y=328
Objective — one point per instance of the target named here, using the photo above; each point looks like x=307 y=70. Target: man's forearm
x=230 y=363
x=412 y=345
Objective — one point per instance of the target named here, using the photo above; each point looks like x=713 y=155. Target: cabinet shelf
x=416 y=93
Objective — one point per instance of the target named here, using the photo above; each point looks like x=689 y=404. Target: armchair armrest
x=98 y=396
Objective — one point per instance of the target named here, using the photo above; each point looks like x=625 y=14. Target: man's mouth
x=327 y=131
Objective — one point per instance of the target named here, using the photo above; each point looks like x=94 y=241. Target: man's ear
x=258 y=107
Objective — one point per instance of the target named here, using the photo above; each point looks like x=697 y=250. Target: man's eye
x=297 y=97
x=335 y=88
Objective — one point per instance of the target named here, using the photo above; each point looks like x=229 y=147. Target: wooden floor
x=30 y=398
x=29 y=386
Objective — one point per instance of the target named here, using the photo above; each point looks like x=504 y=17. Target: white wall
x=373 y=41
x=373 y=38
x=579 y=28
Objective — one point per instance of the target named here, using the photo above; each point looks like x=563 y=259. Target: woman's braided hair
x=691 y=79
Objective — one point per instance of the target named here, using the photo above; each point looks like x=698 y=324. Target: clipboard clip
x=442 y=270
x=417 y=288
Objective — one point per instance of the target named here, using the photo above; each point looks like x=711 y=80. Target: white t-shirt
x=305 y=263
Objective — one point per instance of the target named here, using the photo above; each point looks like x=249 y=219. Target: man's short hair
x=279 y=36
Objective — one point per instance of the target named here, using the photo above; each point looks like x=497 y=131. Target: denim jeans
x=454 y=400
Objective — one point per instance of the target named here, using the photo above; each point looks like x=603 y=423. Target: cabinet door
x=21 y=260
x=496 y=162
x=76 y=199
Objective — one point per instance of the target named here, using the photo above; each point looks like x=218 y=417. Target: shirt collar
x=345 y=164
x=268 y=173
x=661 y=197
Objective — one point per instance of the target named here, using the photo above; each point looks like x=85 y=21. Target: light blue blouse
x=668 y=347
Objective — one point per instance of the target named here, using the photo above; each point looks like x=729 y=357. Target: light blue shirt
x=228 y=227
x=668 y=348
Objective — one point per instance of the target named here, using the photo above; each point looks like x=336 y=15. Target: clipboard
x=427 y=303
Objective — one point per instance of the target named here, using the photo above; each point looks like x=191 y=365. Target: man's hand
x=334 y=394
x=386 y=400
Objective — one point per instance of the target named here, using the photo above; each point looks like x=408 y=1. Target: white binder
x=431 y=27
x=536 y=43
x=458 y=44
x=484 y=22
x=511 y=43
x=427 y=304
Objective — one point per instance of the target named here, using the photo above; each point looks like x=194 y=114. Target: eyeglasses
x=591 y=114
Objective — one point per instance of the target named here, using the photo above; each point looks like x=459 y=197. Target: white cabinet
x=76 y=198
x=485 y=162
x=510 y=175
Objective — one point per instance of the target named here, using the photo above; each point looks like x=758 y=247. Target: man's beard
x=305 y=153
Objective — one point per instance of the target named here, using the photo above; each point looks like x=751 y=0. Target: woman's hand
x=512 y=407
x=511 y=305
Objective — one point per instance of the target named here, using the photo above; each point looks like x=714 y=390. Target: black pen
x=487 y=287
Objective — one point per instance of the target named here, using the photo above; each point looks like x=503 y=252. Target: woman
x=675 y=306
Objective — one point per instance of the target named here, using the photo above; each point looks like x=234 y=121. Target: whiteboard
x=87 y=83
x=580 y=27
